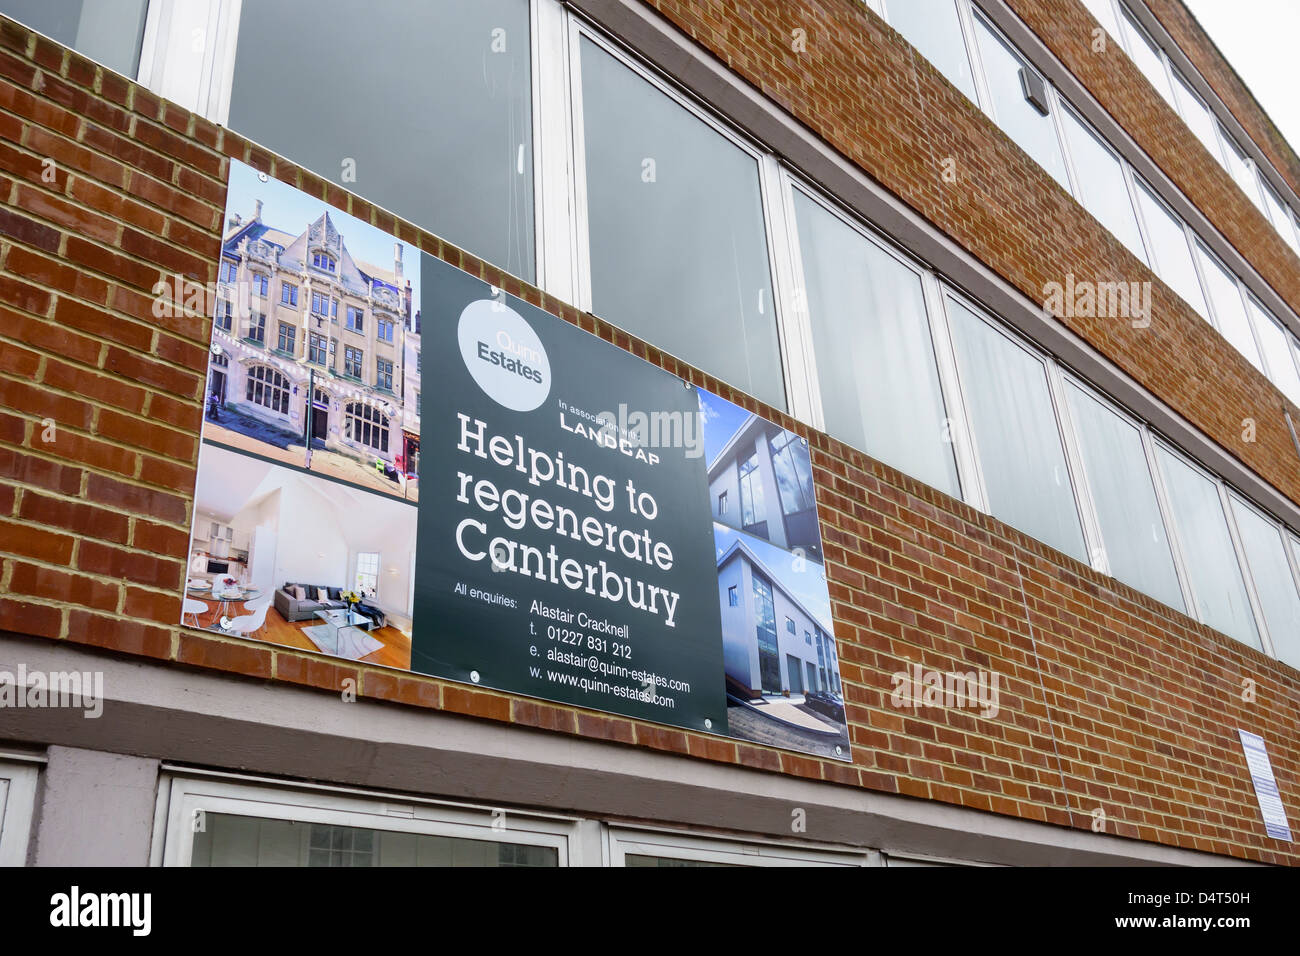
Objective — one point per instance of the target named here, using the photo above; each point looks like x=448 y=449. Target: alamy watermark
x=916 y=687
x=83 y=690
x=1086 y=299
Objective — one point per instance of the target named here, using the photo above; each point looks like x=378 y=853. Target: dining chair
x=248 y=624
x=193 y=608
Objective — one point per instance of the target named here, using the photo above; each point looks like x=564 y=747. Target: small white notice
x=1261 y=777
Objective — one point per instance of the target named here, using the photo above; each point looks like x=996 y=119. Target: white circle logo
x=504 y=355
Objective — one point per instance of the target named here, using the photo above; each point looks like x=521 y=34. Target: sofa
x=304 y=609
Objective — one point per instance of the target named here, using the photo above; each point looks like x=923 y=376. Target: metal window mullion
x=1181 y=563
x=803 y=380
x=581 y=238
x=1130 y=184
x=1254 y=330
x=1194 y=244
x=1243 y=562
x=960 y=427
x=1067 y=156
x=1089 y=523
x=554 y=204
x=966 y=21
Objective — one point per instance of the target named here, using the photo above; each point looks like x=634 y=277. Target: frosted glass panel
x=1229 y=310
x=875 y=360
x=1020 y=449
x=1172 y=254
x=933 y=28
x=1277 y=350
x=1101 y=184
x=1274 y=585
x=1132 y=529
x=1206 y=543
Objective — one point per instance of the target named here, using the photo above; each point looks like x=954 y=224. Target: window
x=677 y=239
x=225 y=314
x=794 y=480
x=1019 y=444
x=1208 y=553
x=1104 y=14
x=876 y=368
x=1099 y=178
x=1278 y=350
x=257 y=328
x=285 y=341
x=789 y=625
x=261 y=284
x=352 y=359
x=317 y=349
x=384 y=330
x=325 y=263
x=1229 y=309
x=934 y=28
x=1169 y=249
x=1197 y=116
x=1148 y=58
x=1281 y=218
x=267 y=387
x=247 y=824
x=807 y=638
x=733 y=599
x=1242 y=169
x=1275 y=585
x=354 y=321
x=769 y=664
x=323 y=304
x=1031 y=130
x=289 y=294
x=646 y=847
x=228 y=271
x=108 y=32
x=366 y=425
x=722 y=504
x=17 y=801
x=469 y=115
x=753 y=512
x=384 y=374
x=1124 y=497
x=368 y=573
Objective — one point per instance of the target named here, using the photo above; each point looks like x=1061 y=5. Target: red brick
x=97 y=321
x=152 y=605
x=134 y=499
x=24 y=617
x=98 y=387
x=382 y=685
x=299 y=669
x=53 y=585
x=42 y=404
x=223 y=655
x=26 y=230
x=147 y=569
x=25 y=467
x=462 y=700
x=75 y=516
x=131 y=637
x=43 y=270
x=36 y=543
x=158 y=538
x=146 y=434
x=152 y=372
x=60 y=212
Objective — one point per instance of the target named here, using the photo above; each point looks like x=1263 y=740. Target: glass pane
x=678 y=244
x=1170 y=250
x=1207 y=550
x=1243 y=171
x=1281 y=218
x=1276 y=342
x=1015 y=428
x=1101 y=182
x=447 y=145
x=875 y=360
x=638 y=859
x=1229 y=310
x=1148 y=58
x=109 y=31
x=234 y=840
x=933 y=28
x=1123 y=493
x=1197 y=117
x=1274 y=584
x=1031 y=130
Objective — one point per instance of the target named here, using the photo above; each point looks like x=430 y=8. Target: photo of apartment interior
x=286 y=557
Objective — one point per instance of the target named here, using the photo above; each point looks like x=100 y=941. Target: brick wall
x=1109 y=702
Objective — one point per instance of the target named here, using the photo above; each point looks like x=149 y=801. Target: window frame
x=621 y=841
x=20 y=774
x=767 y=169
x=183 y=793
x=1234 y=498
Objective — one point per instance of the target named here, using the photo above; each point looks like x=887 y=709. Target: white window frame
x=776 y=233
x=18 y=778
x=1234 y=497
x=940 y=342
x=1202 y=249
x=623 y=841
x=184 y=796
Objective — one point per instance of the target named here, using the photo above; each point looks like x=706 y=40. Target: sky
x=292 y=211
x=1259 y=38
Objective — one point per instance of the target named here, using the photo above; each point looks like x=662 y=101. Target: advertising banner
x=544 y=514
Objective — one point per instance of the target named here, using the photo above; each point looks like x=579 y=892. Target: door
x=320 y=416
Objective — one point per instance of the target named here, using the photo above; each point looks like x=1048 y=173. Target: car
x=826 y=704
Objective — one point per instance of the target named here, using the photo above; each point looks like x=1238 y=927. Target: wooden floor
x=396 y=651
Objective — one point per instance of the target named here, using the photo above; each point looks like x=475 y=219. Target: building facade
x=1023 y=273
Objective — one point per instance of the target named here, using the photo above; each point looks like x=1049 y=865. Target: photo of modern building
x=760 y=477
x=307 y=339
x=782 y=672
